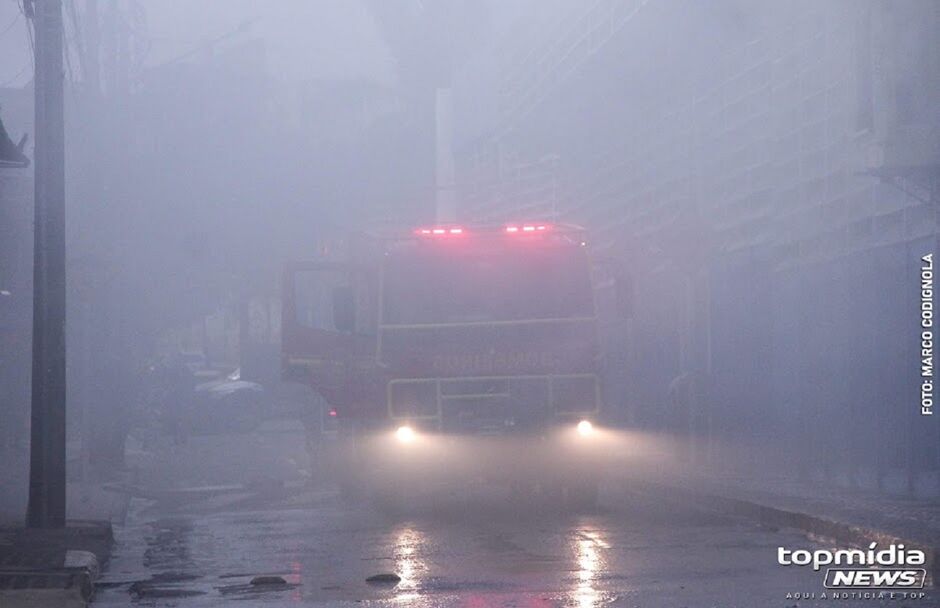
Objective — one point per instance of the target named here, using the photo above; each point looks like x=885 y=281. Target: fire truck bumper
x=407 y=463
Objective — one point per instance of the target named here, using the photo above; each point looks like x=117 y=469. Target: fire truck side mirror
x=344 y=308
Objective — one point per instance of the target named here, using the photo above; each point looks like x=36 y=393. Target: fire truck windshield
x=435 y=286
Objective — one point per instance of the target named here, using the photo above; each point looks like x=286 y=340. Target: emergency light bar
x=515 y=229
x=437 y=231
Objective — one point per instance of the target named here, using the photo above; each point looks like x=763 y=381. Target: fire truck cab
x=452 y=353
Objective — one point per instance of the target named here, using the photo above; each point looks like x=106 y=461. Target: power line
x=74 y=34
x=26 y=8
x=10 y=25
x=18 y=74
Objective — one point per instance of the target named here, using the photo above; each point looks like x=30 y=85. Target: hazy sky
x=304 y=38
x=14 y=49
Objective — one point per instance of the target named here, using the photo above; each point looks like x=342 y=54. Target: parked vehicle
x=228 y=404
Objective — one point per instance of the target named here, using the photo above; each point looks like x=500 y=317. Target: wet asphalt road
x=474 y=547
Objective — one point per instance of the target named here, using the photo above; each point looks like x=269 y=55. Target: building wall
x=766 y=184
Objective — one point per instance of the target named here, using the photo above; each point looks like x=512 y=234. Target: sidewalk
x=915 y=519
x=826 y=511
x=55 y=567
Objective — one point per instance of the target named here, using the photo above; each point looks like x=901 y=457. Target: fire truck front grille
x=413 y=399
x=461 y=387
x=492 y=403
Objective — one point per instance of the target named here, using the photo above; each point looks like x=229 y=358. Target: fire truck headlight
x=405 y=434
x=585 y=428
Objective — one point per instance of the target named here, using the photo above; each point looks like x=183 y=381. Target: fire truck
x=452 y=353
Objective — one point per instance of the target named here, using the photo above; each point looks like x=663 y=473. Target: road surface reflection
x=589 y=549
x=408 y=564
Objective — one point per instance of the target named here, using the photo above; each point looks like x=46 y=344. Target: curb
x=66 y=587
x=814 y=525
x=53 y=567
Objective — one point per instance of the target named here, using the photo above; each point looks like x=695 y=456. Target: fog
x=757 y=180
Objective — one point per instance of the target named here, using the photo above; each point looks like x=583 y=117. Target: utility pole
x=47 y=441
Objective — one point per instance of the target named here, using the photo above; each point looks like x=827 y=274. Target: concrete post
x=47 y=449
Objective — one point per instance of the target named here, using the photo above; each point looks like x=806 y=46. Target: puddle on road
x=249 y=590
x=444 y=585
x=167 y=545
x=165 y=585
x=568 y=559
x=163 y=592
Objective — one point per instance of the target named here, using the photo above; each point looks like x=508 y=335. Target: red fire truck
x=452 y=353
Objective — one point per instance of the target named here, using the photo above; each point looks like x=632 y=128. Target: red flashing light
x=512 y=229
x=459 y=230
x=439 y=231
x=333 y=413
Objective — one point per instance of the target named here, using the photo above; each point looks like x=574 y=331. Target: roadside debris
x=386 y=578
x=147 y=589
x=268 y=580
x=262 y=583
